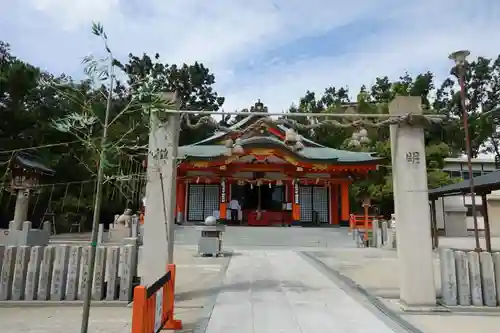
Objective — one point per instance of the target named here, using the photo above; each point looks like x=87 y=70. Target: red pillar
x=334 y=204
x=345 y=207
x=289 y=188
x=295 y=202
x=180 y=199
x=223 y=199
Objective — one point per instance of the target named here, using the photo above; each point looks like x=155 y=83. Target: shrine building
x=277 y=176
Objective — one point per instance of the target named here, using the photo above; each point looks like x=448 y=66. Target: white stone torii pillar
x=159 y=218
x=411 y=203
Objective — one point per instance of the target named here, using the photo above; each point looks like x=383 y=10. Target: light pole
x=460 y=59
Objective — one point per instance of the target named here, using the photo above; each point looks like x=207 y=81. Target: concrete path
x=279 y=291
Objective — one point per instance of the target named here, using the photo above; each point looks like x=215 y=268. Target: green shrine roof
x=312 y=151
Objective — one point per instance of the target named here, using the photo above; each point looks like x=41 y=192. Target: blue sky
x=274 y=50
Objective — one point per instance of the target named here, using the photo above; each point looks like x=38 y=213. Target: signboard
x=296 y=193
x=158 y=310
x=223 y=191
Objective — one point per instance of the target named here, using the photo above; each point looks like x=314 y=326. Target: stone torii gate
x=414 y=243
x=411 y=204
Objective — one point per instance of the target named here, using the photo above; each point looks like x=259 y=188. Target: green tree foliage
x=438 y=138
x=31 y=100
x=29 y=106
x=193 y=82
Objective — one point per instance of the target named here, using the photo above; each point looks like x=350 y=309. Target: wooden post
x=487 y=232
x=435 y=232
x=345 y=207
x=334 y=204
x=180 y=201
x=172 y=323
x=223 y=200
x=139 y=309
x=296 y=201
x=366 y=205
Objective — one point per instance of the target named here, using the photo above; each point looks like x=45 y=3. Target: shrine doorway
x=260 y=205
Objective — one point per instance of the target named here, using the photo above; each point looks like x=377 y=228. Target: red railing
x=359 y=221
x=153 y=307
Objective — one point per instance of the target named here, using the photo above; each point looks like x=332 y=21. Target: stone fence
x=26 y=236
x=382 y=235
x=59 y=272
x=470 y=278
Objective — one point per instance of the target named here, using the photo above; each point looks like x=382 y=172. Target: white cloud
x=226 y=33
x=70 y=14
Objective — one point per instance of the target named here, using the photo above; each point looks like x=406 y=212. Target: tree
x=29 y=106
x=482 y=84
x=194 y=84
x=378 y=184
x=26 y=109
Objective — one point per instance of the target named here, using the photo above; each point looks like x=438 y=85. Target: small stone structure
x=210 y=242
x=125 y=226
x=59 y=272
x=26 y=170
x=26 y=236
x=469 y=278
x=383 y=235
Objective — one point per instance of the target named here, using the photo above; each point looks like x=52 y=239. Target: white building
x=449 y=208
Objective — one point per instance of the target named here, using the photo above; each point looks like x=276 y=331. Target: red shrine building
x=276 y=176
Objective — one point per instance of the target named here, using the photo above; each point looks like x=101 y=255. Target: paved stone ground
x=269 y=291
x=376 y=271
x=199 y=282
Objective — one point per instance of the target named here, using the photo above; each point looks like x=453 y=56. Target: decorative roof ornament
x=293 y=140
x=290 y=137
x=234 y=147
x=354 y=143
x=229 y=143
x=238 y=148
x=259 y=106
x=359 y=138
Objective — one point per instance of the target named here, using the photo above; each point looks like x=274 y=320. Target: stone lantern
x=26 y=172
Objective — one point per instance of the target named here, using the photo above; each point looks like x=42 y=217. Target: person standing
x=234 y=207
